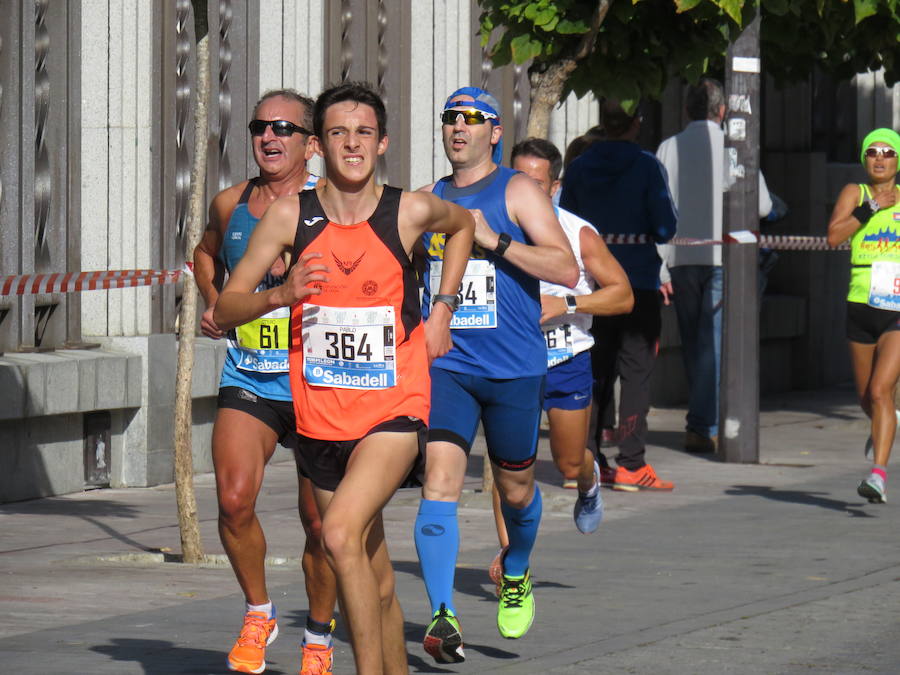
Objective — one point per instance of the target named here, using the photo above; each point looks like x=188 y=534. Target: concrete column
x=291 y=49
x=439 y=64
x=116 y=151
x=145 y=455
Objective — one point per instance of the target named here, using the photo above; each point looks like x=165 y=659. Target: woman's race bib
x=884 y=285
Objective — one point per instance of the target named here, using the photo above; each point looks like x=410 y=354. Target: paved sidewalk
x=772 y=568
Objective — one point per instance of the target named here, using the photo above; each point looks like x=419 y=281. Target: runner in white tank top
x=566 y=316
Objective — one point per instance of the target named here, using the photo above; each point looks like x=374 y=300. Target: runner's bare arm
x=549 y=257
x=614 y=295
x=208 y=268
x=238 y=303
x=431 y=214
x=843 y=225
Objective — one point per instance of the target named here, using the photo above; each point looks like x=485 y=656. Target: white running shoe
x=872 y=488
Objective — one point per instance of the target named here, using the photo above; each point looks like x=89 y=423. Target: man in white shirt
x=696 y=271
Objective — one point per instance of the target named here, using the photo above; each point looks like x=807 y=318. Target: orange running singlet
x=357 y=352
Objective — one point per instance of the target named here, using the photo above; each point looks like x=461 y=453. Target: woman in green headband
x=868 y=214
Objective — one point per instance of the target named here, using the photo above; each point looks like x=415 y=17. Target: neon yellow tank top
x=877 y=240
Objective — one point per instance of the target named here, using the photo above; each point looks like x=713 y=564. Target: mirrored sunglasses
x=470 y=116
x=887 y=153
x=279 y=128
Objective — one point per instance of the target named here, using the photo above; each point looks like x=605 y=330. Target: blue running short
x=569 y=383
x=509 y=410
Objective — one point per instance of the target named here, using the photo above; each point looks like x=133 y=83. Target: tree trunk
x=191 y=548
x=546 y=90
x=487 y=475
x=547 y=85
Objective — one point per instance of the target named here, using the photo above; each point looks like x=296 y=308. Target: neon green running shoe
x=515 y=613
x=443 y=639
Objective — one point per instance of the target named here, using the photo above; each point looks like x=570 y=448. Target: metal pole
x=739 y=388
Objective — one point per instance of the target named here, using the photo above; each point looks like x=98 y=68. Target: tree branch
x=586 y=46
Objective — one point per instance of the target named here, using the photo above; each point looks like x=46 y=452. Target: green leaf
x=524 y=48
x=863 y=9
x=686 y=5
x=732 y=8
x=550 y=26
x=485 y=37
x=546 y=16
x=567 y=27
x=532 y=10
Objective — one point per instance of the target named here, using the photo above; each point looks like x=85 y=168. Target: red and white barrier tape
x=76 y=282
x=785 y=242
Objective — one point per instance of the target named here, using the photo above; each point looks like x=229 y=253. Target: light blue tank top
x=257 y=354
x=506 y=295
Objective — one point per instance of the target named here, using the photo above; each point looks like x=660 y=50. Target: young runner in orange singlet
x=374 y=343
x=362 y=347
x=254 y=405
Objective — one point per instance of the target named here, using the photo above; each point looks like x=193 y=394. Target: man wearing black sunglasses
x=255 y=408
x=495 y=371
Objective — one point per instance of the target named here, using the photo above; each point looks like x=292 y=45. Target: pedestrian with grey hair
x=695 y=162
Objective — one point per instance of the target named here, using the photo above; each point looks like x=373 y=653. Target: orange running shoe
x=249 y=652
x=316 y=660
x=644 y=478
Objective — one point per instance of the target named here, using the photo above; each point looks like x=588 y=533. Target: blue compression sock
x=522 y=527
x=437 y=543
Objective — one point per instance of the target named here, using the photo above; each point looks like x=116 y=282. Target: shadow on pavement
x=60 y=506
x=414 y=632
x=160 y=657
x=671 y=440
x=798 y=497
x=470 y=581
x=89 y=511
x=838 y=402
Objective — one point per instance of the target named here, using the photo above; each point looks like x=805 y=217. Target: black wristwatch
x=571 y=304
x=452 y=301
x=503 y=244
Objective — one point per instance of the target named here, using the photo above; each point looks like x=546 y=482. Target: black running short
x=278 y=415
x=866 y=324
x=325 y=462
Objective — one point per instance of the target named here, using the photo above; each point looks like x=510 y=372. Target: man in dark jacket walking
x=622 y=189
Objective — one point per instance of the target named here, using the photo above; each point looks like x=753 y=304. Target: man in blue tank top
x=495 y=372
x=255 y=408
